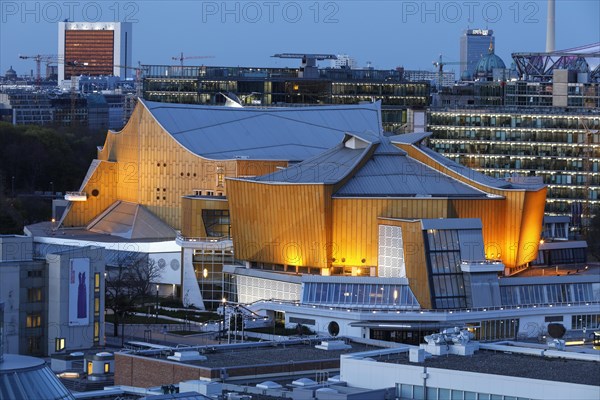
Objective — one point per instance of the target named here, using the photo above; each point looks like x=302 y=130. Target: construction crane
x=38 y=58
x=440 y=66
x=181 y=57
x=77 y=66
x=138 y=77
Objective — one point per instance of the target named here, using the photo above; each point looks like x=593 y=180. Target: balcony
x=206 y=243
x=75 y=196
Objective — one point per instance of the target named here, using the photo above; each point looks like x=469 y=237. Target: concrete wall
x=15 y=248
x=376 y=375
x=77 y=337
x=9 y=294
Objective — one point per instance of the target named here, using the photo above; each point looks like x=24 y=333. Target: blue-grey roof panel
x=328 y=167
x=290 y=133
x=401 y=176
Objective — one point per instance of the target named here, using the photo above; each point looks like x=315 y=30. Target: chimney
x=550 y=23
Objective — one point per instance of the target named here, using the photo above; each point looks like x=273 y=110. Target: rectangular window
x=106 y=368
x=97 y=282
x=96 y=331
x=59 y=344
x=220 y=177
x=33 y=321
x=34 y=295
x=97 y=306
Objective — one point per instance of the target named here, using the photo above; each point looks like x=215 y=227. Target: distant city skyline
x=387 y=34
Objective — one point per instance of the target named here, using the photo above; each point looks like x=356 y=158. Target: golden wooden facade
x=144 y=164
x=302 y=224
x=192 y=224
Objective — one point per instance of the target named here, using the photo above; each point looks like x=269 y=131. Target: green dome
x=488 y=63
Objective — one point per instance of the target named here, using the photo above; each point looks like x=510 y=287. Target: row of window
x=591 y=321
x=416 y=392
x=550 y=294
x=358 y=295
x=512 y=121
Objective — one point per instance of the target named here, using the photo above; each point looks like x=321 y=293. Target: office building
x=343 y=61
x=270 y=87
x=94 y=49
x=474 y=44
x=54 y=302
x=545 y=129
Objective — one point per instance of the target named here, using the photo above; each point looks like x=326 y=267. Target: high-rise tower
x=474 y=44
x=94 y=48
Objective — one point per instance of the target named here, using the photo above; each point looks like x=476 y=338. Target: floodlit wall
x=144 y=164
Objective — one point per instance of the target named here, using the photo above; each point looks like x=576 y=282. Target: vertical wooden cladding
x=531 y=226
x=356 y=229
x=258 y=168
x=414 y=258
x=509 y=226
x=154 y=170
x=282 y=224
x=192 y=224
x=101 y=190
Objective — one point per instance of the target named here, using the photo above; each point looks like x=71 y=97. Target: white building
x=94 y=49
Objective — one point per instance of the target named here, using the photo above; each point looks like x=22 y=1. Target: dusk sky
x=386 y=33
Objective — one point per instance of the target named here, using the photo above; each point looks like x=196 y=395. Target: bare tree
x=129 y=285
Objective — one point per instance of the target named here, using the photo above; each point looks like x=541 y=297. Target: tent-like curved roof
x=290 y=133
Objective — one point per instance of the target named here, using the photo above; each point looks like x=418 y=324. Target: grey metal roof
x=388 y=172
x=131 y=221
x=287 y=133
x=391 y=173
x=410 y=138
x=23 y=377
x=328 y=167
x=474 y=175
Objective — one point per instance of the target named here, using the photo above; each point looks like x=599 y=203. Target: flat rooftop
x=518 y=365
x=226 y=356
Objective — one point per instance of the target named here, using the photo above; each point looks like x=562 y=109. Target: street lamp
x=222 y=332
x=156 y=310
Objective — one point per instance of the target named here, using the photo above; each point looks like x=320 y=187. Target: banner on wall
x=79 y=281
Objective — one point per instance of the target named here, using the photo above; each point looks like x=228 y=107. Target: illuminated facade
x=332 y=215
x=549 y=145
x=316 y=217
x=282 y=86
x=94 y=49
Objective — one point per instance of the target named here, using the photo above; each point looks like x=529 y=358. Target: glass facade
x=416 y=392
x=281 y=86
x=549 y=145
x=494 y=329
x=208 y=267
x=549 y=294
x=216 y=223
x=445 y=275
x=591 y=321
x=359 y=295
